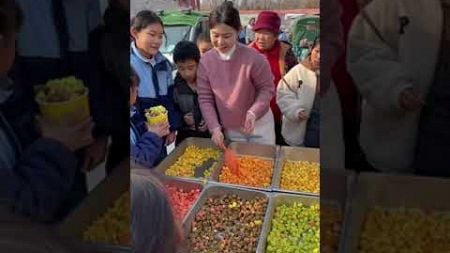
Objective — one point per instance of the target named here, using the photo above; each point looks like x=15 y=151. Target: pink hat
x=268 y=20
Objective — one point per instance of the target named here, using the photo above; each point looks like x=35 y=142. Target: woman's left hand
x=249 y=125
x=171 y=138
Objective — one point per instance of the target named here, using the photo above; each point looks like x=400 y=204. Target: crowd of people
x=255 y=91
x=223 y=89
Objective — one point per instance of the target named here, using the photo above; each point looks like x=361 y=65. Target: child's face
x=204 y=46
x=223 y=37
x=188 y=70
x=7 y=52
x=315 y=57
x=149 y=39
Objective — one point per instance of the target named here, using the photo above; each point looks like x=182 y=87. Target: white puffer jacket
x=406 y=56
x=295 y=93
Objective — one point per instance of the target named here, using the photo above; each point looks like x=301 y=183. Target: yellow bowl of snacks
x=156 y=115
x=63 y=101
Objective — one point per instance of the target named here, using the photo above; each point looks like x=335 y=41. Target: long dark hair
x=145 y=18
x=153 y=224
x=225 y=14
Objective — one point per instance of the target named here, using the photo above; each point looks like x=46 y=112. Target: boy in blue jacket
x=35 y=178
x=146 y=142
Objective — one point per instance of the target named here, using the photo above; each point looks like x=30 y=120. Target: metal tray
x=392 y=191
x=276 y=200
x=184 y=184
x=179 y=151
x=96 y=204
x=337 y=186
x=213 y=190
x=265 y=152
x=294 y=154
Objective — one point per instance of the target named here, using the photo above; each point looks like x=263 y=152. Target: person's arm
x=372 y=56
x=42 y=178
x=262 y=79
x=287 y=99
x=147 y=149
x=206 y=99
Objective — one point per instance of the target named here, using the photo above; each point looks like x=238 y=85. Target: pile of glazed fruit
x=253 y=172
x=113 y=227
x=182 y=200
x=301 y=176
x=227 y=224
x=61 y=90
x=405 y=230
x=295 y=228
x=192 y=158
x=330 y=225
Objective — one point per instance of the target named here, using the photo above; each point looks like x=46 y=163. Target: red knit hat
x=268 y=20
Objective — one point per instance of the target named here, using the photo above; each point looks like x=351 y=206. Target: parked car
x=306 y=29
x=181 y=25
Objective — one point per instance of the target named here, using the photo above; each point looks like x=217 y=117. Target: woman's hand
x=217 y=137
x=249 y=125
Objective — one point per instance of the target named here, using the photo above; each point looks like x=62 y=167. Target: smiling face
x=149 y=39
x=223 y=37
x=265 y=39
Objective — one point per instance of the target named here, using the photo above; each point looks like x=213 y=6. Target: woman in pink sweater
x=235 y=84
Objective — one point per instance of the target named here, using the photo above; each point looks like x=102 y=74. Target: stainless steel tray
x=276 y=200
x=179 y=150
x=392 y=191
x=184 y=184
x=96 y=204
x=266 y=152
x=213 y=190
x=337 y=190
x=294 y=154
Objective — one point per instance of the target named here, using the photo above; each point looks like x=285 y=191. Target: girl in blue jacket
x=153 y=69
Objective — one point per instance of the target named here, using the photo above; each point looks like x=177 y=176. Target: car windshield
x=174 y=34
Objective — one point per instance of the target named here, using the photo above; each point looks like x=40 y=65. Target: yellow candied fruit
x=301 y=176
x=113 y=227
x=253 y=171
x=405 y=230
x=192 y=157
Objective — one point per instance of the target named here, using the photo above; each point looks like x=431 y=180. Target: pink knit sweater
x=243 y=83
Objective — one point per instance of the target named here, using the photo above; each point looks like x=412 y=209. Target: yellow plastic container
x=68 y=112
x=160 y=118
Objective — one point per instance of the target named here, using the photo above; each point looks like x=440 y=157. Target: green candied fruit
x=295 y=229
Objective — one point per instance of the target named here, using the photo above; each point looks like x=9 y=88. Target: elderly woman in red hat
x=278 y=53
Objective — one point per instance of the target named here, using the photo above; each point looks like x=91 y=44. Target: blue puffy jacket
x=146 y=148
